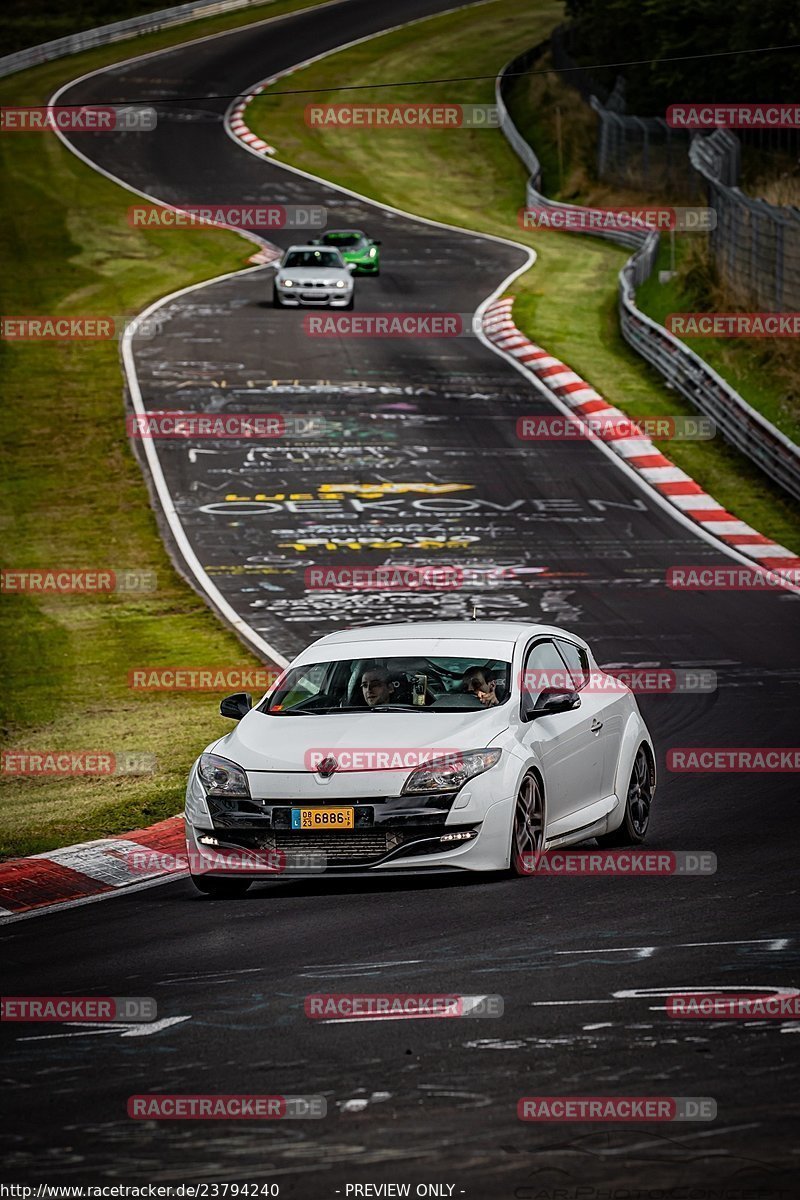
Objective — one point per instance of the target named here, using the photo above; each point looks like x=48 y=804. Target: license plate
x=323 y=818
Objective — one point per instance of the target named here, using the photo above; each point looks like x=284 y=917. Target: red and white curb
x=638 y=452
x=268 y=254
x=89 y=869
x=241 y=129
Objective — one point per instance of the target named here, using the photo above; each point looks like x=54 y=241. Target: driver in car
x=474 y=681
x=377 y=686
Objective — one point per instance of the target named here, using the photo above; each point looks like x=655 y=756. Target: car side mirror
x=236 y=706
x=351 y=267
x=550 y=701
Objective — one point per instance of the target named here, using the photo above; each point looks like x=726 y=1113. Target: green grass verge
x=472 y=179
x=74 y=495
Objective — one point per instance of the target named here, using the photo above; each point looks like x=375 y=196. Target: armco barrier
x=105 y=34
x=739 y=423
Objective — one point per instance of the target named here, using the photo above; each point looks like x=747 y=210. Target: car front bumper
x=394 y=833
x=367 y=267
x=314 y=297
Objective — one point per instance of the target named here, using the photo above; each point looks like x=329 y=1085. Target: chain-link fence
x=755 y=245
x=737 y=421
x=643 y=153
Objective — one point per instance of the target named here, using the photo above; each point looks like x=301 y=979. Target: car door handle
x=596 y=725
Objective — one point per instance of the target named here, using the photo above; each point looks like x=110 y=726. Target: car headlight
x=221 y=777
x=451 y=772
x=340 y=283
x=286 y=282
x=372 y=251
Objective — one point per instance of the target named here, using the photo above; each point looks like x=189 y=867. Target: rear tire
x=527 y=833
x=633 y=829
x=220 y=889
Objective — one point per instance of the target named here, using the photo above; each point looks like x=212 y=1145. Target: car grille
x=337 y=847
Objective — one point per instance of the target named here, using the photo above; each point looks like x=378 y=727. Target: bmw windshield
x=313 y=258
x=389 y=684
x=346 y=241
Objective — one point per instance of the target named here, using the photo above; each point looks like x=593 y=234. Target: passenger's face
x=376 y=689
x=476 y=682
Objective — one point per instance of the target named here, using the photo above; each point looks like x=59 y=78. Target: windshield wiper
x=347 y=708
x=316 y=712
x=396 y=708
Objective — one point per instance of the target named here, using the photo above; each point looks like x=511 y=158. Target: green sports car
x=355 y=247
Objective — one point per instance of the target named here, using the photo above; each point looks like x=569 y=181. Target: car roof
x=462 y=631
x=360 y=232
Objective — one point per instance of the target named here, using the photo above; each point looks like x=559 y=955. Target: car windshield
x=313 y=258
x=413 y=684
x=345 y=240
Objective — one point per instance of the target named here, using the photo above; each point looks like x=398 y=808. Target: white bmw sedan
x=471 y=746
x=313 y=277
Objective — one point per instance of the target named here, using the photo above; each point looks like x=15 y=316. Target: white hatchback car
x=424 y=747
x=313 y=277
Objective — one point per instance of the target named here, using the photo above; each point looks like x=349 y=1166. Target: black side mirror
x=550 y=701
x=236 y=706
x=377 y=242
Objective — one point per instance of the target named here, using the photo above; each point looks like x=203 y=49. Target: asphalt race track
x=582 y=964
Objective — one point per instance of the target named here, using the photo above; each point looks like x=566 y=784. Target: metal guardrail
x=103 y=35
x=739 y=423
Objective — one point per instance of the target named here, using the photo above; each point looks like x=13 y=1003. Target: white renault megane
x=468 y=746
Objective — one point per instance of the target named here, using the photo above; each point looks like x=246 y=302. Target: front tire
x=350 y=303
x=276 y=300
x=633 y=829
x=527 y=833
x=220 y=889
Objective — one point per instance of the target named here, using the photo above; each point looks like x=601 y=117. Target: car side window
x=577 y=660
x=544 y=668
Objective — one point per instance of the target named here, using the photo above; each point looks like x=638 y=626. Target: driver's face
x=376 y=689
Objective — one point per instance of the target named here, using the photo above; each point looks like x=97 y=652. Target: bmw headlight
x=451 y=772
x=221 y=777
x=287 y=282
x=340 y=283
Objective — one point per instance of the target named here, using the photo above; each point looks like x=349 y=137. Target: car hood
x=303 y=274
x=359 y=740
